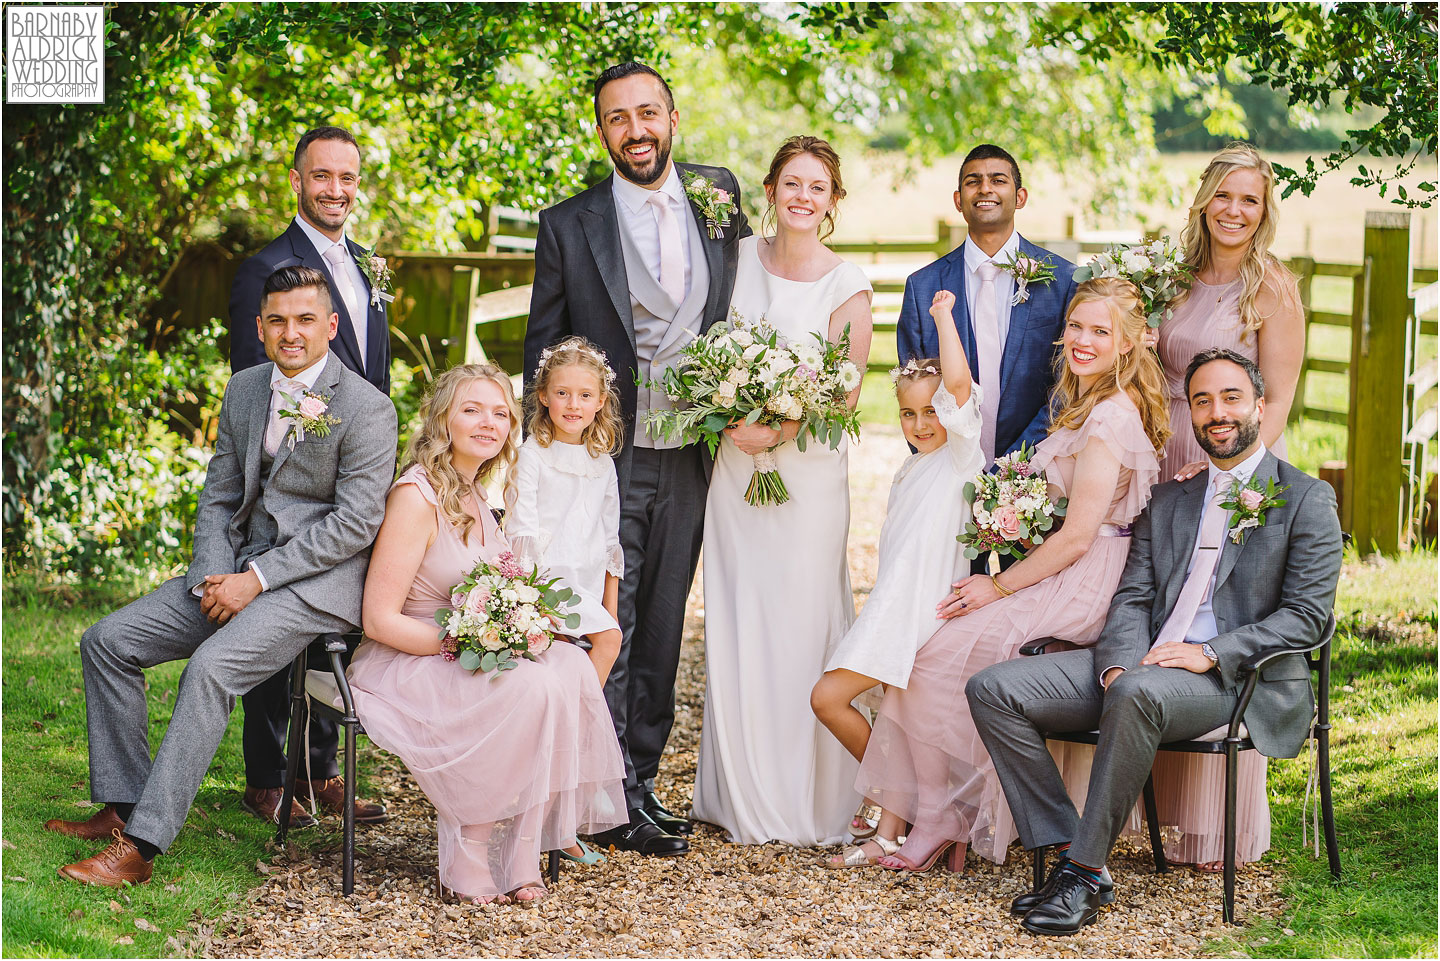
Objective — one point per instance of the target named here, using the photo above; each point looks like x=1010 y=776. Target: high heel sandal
x=588 y=856
x=930 y=862
x=854 y=856
x=869 y=816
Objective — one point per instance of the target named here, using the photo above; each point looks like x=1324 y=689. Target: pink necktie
x=1197 y=583
x=336 y=257
x=672 y=255
x=276 y=427
x=986 y=323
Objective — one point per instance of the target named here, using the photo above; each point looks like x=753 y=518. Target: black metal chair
x=1235 y=740
x=308 y=692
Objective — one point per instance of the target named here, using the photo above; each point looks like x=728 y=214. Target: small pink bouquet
x=500 y=613
x=1009 y=506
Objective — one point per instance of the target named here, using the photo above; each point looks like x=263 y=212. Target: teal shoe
x=588 y=857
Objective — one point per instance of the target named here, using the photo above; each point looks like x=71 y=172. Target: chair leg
x=553 y=859
x=348 y=818
x=1231 y=771
x=1152 y=818
x=294 y=743
x=1327 y=802
x=1039 y=868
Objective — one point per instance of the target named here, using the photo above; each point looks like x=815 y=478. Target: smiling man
x=632 y=265
x=325 y=178
x=1009 y=340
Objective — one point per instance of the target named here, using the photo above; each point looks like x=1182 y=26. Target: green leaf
x=489 y=661
x=469 y=660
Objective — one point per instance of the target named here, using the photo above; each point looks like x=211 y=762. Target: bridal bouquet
x=500 y=613
x=1008 y=506
x=749 y=372
x=1155 y=268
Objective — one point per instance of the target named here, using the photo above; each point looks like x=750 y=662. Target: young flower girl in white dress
x=562 y=498
x=919 y=557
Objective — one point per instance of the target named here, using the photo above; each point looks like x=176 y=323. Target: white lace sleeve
x=610 y=517
x=524 y=528
x=962 y=429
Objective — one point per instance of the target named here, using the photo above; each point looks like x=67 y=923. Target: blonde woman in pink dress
x=1246 y=300
x=924 y=761
x=517 y=763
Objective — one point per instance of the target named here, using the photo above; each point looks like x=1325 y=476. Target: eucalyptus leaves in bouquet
x=500 y=613
x=1155 y=268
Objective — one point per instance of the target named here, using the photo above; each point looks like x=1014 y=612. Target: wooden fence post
x=1374 y=473
x=1304 y=268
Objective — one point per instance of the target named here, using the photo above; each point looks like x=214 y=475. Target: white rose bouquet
x=1156 y=268
x=500 y=613
x=1009 y=507
x=742 y=371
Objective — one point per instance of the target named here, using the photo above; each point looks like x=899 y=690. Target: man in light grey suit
x=1200 y=594
x=293 y=498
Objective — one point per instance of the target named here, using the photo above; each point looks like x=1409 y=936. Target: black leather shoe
x=1021 y=906
x=1070 y=906
x=665 y=820
x=644 y=836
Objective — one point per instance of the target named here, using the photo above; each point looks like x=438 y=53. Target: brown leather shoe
x=98 y=827
x=330 y=796
x=117 y=865
x=264 y=803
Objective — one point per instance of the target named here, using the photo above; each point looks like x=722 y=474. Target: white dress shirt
x=358 y=283
x=1004 y=283
x=639 y=219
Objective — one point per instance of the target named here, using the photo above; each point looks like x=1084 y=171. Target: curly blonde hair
x=607 y=430
x=821 y=151
x=1136 y=371
x=1256 y=269
x=430 y=447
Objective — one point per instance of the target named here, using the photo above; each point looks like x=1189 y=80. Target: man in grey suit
x=293 y=498
x=1202 y=591
x=632 y=265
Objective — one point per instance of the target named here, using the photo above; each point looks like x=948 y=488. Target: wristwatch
x=1209 y=652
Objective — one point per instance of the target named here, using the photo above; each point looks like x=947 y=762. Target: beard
x=1246 y=433
x=650 y=172
x=318 y=215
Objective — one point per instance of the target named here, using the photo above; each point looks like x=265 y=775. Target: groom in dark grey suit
x=293 y=498
x=1200 y=594
x=632 y=265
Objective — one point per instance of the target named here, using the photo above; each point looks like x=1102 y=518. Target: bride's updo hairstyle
x=821 y=151
x=1137 y=370
x=430 y=447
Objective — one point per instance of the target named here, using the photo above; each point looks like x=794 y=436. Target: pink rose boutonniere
x=1027 y=270
x=1248 y=504
x=715 y=205
x=380 y=276
x=311 y=415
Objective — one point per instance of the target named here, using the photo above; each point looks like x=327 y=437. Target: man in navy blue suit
x=325 y=178
x=1010 y=346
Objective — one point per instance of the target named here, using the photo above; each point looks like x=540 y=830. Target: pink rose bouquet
x=1009 y=506
x=500 y=613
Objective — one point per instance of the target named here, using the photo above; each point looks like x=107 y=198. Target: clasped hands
x=967 y=596
x=226 y=595
x=756 y=438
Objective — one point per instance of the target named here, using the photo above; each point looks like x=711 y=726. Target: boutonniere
x=310 y=413
x=1248 y=503
x=380 y=277
x=715 y=205
x=1026 y=270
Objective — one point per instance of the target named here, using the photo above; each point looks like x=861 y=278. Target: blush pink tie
x=672 y=254
x=337 y=258
x=986 y=322
x=1197 y=583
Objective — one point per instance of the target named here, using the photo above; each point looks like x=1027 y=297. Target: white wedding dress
x=777 y=601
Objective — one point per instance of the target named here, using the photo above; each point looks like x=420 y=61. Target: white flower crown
x=912 y=369
x=597 y=355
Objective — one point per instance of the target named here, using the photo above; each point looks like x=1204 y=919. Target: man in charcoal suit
x=325 y=177
x=631 y=265
x=293 y=498
x=1201 y=593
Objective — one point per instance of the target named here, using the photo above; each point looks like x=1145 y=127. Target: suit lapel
x=955 y=282
x=1019 y=322
x=1230 y=551
x=325 y=386
x=344 y=343
x=601 y=224
x=375 y=327
x=1184 y=530
x=714 y=253
x=256 y=423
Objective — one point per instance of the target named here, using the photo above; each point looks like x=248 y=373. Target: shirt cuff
x=1107 y=671
x=260 y=577
x=198 y=590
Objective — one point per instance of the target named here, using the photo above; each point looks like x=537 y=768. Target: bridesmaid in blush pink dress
x=1246 y=300
x=924 y=761
x=516 y=763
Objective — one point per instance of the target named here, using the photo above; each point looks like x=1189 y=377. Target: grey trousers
x=662 y=520
x=1014 y=701
x=225 y=662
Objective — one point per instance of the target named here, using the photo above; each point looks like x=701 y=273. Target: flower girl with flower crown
x=919 y=557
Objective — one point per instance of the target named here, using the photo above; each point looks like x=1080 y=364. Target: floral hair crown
x=912 y=369
x=581 y=348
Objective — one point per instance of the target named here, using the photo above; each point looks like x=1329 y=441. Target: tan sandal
x=854 y=856
x=865 y=822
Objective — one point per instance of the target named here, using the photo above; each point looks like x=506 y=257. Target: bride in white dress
x=777 y=585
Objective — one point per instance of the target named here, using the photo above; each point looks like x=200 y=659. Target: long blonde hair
x=1136 y=371
x=1195 y=240
x=607 y=430
x=430 y=447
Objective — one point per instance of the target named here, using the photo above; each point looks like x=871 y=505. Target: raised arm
x=954 y=368
x=406 y=534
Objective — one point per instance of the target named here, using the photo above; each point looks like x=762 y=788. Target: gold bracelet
x=998 y=587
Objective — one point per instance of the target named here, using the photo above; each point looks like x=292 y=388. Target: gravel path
x=723 y=899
